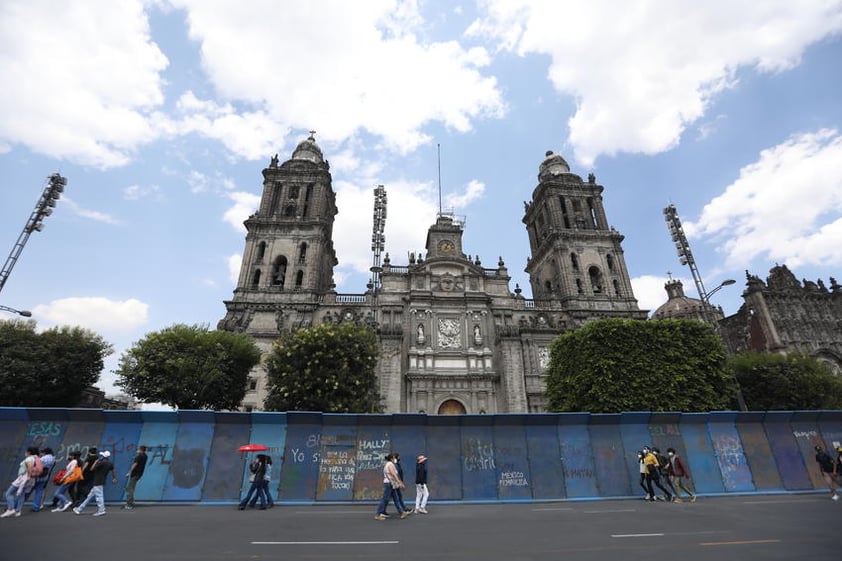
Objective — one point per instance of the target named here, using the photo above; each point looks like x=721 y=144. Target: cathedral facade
x=454 y=337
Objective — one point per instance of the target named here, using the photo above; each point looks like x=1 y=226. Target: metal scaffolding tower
x=682 y=248
x=51 y=195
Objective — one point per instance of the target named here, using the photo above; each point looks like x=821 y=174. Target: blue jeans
x=61 y=494
x=388 y=492
x=255 y=488
x=38 y=493
x=264 y=489
x=96 y=493
x=13 y=500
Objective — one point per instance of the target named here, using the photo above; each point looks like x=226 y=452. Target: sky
x=162 y=114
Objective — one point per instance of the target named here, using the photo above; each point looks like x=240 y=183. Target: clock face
x=446 y=246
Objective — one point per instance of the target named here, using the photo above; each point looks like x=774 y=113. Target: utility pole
x=51 y=195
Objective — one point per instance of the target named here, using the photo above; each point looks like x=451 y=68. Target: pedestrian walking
x=826 y=469
x=652 y=474
x=663 y=472
x=399 y=490
x=83 y=486
x=391 y=481
x=28 y=471
x=72 y=471
x=48 y=460
x=642 y=481
x=134 y=474
x=258 y=471
x=679 y=474
x=264 y=487
x=100 y=470
x=422 y=492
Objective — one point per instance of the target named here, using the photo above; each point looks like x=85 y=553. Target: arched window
x=579 y=286
x=261 y=251
x=302 y=252
x=610 y=260
x=617 y=287
x=548 y=287
x=574 y=261
x=299 y=278
x=279 y=271
x=596 y=279
x=308 y=195
x=255 y=278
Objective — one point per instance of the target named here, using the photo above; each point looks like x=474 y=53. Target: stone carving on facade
x=419 y=334
x=279 y=320
x=543 y=357
x=449 y=333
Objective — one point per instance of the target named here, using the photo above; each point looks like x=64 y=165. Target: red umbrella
x=252 y=448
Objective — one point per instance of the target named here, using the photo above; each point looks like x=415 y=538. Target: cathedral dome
x=679 y=306
x=308 y=150
x=553 y=164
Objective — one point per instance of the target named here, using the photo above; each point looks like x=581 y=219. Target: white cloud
x=410 y=212
x=137 y=192
x=338 y=67
x=87 y=213
x=785 y=207
x=245 y=204
x=95 y=313
x=80 y=79
x=649 y=291
x=235 y=262
x=642 y=79
x=473 y=191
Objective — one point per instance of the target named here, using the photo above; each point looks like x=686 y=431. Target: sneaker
x=379 y=517
x=127 y=507
x=422 y=510
x=835 y=497
x=677 y=500
x=65 y=507
x=7 y=514
x=77 y=511
x=16 y=514
x=385 y=515
x=99 y=513
x=404 y=514
x=693 y=499
x=57 y=509
x=647 y=498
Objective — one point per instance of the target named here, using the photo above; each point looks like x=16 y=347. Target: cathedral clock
x=446 y=246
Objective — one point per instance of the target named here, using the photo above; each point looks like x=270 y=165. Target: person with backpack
x=663 y=472
x=47 y=462
x=28 y=471
x=826 y=469
x=100 y=469
x=650 y=461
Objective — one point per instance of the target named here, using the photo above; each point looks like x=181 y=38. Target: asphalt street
x=767 y=527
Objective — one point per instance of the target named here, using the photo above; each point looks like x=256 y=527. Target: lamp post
x=24 y=313
x=741 y=403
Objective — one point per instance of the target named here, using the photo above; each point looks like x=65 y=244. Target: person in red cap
x=422 y=493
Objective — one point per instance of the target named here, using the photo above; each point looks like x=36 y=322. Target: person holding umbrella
x=258 y=474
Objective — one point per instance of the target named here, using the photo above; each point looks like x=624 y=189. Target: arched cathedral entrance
x=451 y=407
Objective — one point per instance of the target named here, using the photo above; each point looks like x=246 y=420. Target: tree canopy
x=775 y=382
x=189 y=367
x=48 y=369
x=615 y=365
x=328 y=368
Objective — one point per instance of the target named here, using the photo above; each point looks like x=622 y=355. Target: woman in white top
x=64 y=501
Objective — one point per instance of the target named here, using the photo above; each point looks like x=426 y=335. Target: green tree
x=189 y=367
x=771 y=381
x=48 y=369
x=616 y=365
x=328 y=368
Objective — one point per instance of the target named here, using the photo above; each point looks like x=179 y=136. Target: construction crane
x=49 y=198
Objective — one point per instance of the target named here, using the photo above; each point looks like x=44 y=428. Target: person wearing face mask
x=653 y=476
x=678 y=473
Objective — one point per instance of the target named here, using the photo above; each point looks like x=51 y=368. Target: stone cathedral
x=454 y=337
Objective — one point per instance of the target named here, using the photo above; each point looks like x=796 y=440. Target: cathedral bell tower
x=577 y=258
x=289 y=256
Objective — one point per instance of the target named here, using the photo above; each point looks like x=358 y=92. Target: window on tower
x=609 y=259
x=299 y=279
x=302 y=253
x=261 y=252
x=255 y=278
x=596 y=279
x=308 y=195
x=279 y=271
x=617 y=288
x=574 y=261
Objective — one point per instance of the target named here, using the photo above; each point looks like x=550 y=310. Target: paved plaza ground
x=785 y=527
